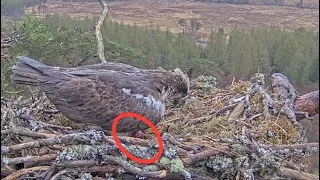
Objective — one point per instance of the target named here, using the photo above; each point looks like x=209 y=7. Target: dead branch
x=226 y=108
x=103 y=168
x=76 y=138
x=308 y=103
x=237 y=111
x=226 y=150
x=98 y=31
x=291 y=146
x=21 y=172
x=298 y=174
x=26 y=159
x=25 y=132
x=6 y=170
x=199 y=120
x=56 y=176
x=77 y=163
x=132 y=140
x=107 y=159
x=204 y=155
x=173 y=141
x=82 y=138
x=38 y=124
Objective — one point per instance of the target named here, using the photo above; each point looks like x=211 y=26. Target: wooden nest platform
x=247 y=130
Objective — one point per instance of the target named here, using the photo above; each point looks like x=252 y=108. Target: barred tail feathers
x=27 y=71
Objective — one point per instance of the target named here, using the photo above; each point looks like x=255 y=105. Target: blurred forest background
x=63 y=40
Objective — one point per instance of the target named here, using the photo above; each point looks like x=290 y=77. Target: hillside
x=210 y=15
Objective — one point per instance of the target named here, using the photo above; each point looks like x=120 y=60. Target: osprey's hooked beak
x=180 y=100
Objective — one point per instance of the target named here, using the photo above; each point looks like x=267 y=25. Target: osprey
x=96 y=94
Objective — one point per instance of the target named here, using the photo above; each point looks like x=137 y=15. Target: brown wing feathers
x=97 y=93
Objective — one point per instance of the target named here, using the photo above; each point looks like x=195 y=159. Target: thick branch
x=22 y=172
x=125 y=165
x=98 y=31
x=308 y=103
x=297 y=174
x=26 y=159
x=225 y=149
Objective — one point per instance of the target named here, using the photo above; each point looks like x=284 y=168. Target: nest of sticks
x=244 y=131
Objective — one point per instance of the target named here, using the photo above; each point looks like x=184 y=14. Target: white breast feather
x=150 y=101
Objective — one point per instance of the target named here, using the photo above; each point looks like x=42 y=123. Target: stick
x=226 y=108
x=77 y=138
x=25 y=171
x=297 y=174
x=104 y=168
x=173 y=141
x=199 y=120
x=56 y=176
x=204 y=155
x=19 y=160
x=225 y=149
x=98 y=32
x=124 y=164
x=308 y=103
x=24 y=132
x=292 y=146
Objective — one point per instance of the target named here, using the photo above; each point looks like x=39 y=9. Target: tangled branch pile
x=244 y=131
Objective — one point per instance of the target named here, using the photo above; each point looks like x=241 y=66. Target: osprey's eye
x=175 y=102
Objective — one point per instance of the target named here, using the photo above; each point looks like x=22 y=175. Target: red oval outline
x=123 y=150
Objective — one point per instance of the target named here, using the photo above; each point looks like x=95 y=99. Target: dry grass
x=183 y=121
x=211 y=15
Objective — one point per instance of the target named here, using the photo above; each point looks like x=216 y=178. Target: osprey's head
x=278 y=76
x=179 y=86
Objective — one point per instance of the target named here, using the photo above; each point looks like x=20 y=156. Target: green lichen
x=207 y=83
x=176 y=165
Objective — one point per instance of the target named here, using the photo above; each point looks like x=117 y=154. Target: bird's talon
x=138 y=134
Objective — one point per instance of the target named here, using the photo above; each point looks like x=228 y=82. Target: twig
x=33 y=123
x=238 y=110
x=85 y=166
x=4 y=115
x=53 y=111
x=7 y=170
x=133 y=140
x=19 y=160
x=255 y=116
x=25 y=171
x=76 y=138
x=24 y=132
x=226 y=108
x=297 y=174
x=204 y=155
x=103 y=168
x=173 y=141
x=292 y=146
x=10 y=92
x=98 y=32
x=199 y=120
x=56 y=176
x=54 y=126
x=107 y=159
x=30 y=121
x=241 y=122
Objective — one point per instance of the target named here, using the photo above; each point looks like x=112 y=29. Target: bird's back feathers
x=98 y=93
